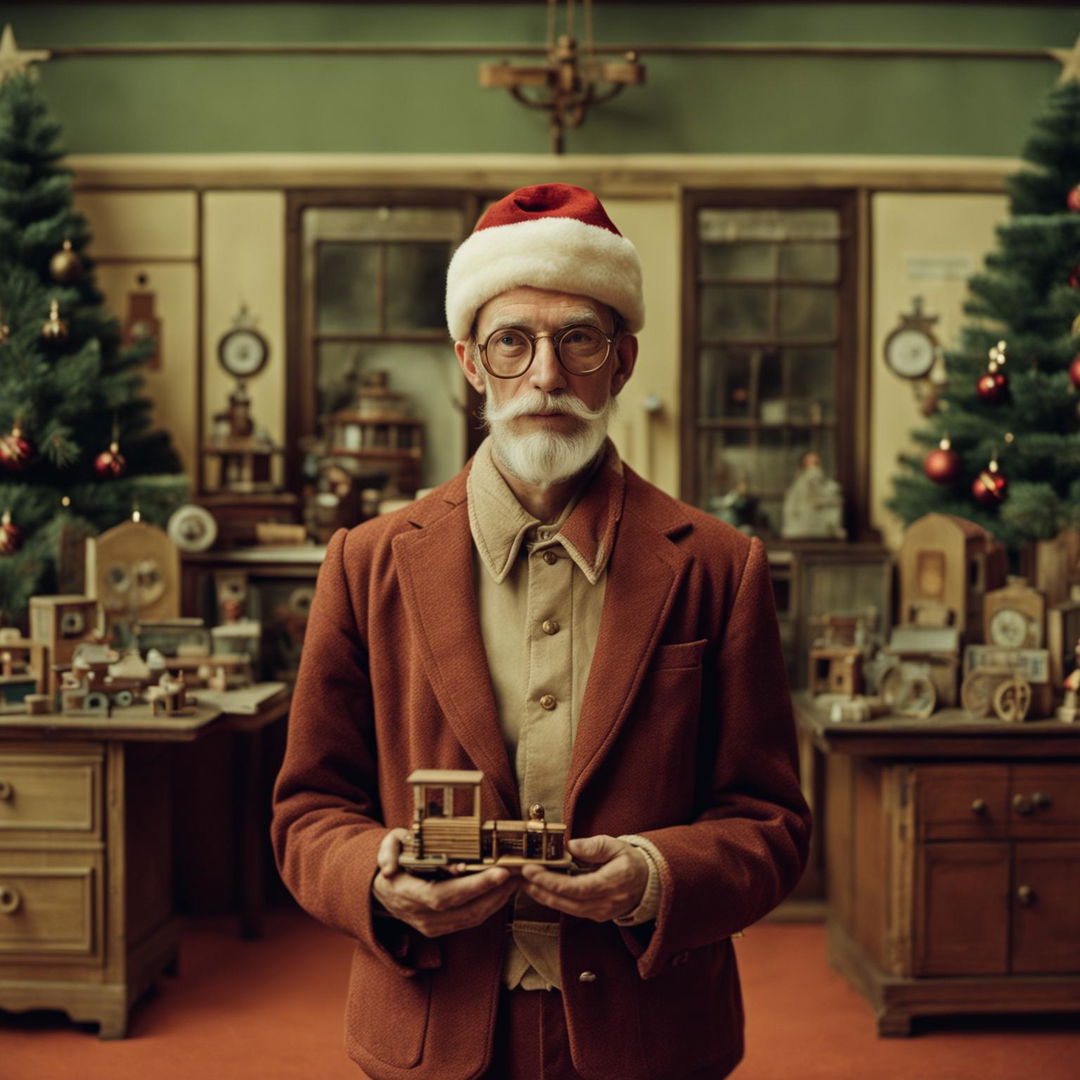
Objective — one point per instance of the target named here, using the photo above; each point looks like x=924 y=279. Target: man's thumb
x=597 y=849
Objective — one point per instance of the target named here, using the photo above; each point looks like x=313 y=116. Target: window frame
x=848 y=423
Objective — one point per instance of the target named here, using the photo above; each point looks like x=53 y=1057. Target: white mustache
x=537 y=401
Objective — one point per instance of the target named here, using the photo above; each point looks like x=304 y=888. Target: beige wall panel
x=649 y=440
x=923 y=245
x=141 y=224
x=172 y=387
x=244 y=263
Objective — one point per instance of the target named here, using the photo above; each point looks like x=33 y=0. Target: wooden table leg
x=251 y=840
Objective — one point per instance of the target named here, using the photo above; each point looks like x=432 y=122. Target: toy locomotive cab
x=447 y=832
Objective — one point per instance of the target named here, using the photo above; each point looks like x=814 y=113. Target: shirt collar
x=585 y=529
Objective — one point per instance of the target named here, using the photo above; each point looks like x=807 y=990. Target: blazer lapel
x=643 y=577
x=435 y=566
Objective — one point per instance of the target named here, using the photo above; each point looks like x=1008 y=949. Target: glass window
x=770 y=335
x=387 y=409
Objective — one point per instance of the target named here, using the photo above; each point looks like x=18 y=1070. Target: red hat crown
x=547 y=200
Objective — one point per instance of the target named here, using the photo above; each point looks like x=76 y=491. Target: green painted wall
x=424 y=105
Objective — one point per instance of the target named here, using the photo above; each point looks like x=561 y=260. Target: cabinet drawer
x=49 y=906
x=962 y=802
x=1045 y=801
x=50 y=793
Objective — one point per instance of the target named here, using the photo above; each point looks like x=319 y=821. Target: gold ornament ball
x=65 y=266
x=54 y=329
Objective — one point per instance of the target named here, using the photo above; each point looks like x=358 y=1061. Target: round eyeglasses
x=581 y=350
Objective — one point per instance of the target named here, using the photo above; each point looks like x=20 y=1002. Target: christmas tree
x=77 y=455
x=1005 y=446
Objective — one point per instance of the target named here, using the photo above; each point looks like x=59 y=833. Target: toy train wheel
x=123 y=698
x=96 y=701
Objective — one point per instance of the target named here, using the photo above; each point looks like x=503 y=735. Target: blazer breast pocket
x=684 y=654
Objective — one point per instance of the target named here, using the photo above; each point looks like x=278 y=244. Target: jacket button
x=550 y=557
x=547 y=702
x=549 y=626
x=587 y=977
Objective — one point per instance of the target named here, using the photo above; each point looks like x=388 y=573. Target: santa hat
x=551 y=236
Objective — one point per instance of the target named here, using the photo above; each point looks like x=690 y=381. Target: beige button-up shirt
x=540 y=598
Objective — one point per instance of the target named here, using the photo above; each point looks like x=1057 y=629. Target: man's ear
x=466 y=355
x=626 y=350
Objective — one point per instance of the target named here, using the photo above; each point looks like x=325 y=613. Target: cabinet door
x=1046 y=908
x=961 y=913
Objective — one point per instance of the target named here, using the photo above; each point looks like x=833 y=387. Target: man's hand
x=614 y=889
x=437 y=907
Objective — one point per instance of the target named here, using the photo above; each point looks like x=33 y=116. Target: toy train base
x=447 y=836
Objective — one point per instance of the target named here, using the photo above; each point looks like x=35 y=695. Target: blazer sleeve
x=746 y=850
x=327 y=821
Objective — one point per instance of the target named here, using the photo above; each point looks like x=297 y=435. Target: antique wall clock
x=1014 y=617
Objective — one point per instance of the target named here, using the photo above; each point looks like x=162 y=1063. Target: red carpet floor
x=272 y=1010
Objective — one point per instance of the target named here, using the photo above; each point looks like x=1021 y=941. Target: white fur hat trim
x=559 y=253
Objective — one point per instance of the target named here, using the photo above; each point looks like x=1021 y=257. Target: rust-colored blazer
x=685 y=737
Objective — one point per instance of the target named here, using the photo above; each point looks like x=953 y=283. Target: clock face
x=1008 y=628
x=243 y=352
x=910 y=353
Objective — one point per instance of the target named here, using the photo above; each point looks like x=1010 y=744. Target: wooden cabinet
x=86 y=913
x=952 y=851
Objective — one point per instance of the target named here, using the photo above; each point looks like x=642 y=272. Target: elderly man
x=590 y=644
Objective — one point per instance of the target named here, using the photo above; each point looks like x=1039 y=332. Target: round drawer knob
x=587 y=977
x=1026 y=895
x=978 y=806
x=9 y=900
x=6 y=790
x=1022 y=805
x=1041 y=801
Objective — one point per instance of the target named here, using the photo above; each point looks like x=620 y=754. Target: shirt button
x=587 y=977
x=549 y=626
x=550 y=557
x=548 y=702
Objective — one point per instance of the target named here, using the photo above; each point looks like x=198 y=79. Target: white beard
x=543 y=458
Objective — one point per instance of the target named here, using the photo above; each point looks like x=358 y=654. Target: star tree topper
x=1069 y=59
x=14 y=61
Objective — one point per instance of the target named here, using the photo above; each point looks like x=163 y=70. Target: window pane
x=416 y=286
x=725 y=465
x=753 y=262
x=346 y=298
x=808 y=314
x=771 y=388
x=428 y=378
x=384 y=223
x=768 y=223
x=726 y=382
x=811 y=373
x=729 y=312
x=809 y=262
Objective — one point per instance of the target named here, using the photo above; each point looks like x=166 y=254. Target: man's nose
x=546 y=373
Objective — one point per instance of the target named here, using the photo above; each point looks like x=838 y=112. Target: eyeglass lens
x=580 y=349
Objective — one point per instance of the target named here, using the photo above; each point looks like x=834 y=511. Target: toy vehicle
x=447 y=832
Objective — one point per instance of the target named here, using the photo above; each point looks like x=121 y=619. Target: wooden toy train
x=447 y=832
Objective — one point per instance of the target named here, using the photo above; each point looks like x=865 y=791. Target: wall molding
x=660 y=176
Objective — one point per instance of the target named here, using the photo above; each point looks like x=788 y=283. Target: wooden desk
x=952 y=857
x=86 y=894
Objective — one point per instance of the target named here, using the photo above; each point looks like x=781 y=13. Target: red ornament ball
x=943 y=464
x=1074 y=278
x=110 y=464
x=989 y=487
x=1074 y=371
x=993 y=387
x=1072 y=200
x=11 y=536
x=15 y=451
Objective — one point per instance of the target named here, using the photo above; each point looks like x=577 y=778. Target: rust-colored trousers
x=530 y=1038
